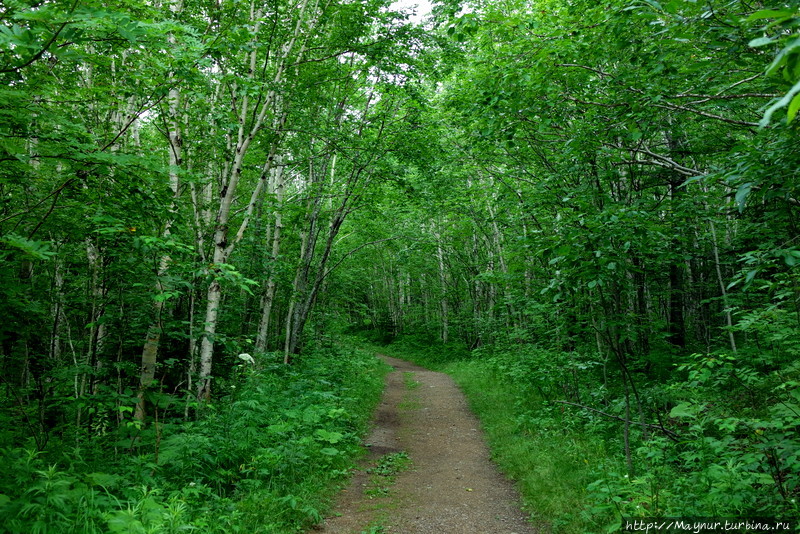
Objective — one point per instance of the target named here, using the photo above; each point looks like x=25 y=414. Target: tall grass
x=550 y=464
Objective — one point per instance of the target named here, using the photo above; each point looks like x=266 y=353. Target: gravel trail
x=452 y=487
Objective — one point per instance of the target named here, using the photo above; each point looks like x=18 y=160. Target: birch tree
x=254 y=87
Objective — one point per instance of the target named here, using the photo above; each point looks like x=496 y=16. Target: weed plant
x=391 y=464
x=264 y=457
x=383 y=475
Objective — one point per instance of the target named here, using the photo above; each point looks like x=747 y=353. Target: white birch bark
x=443 y=306
x=175 y=141
x=308 y=244
x=277 y=188
x=97 y=330
x=723 y=290
x=251 y=117
x=57 y=311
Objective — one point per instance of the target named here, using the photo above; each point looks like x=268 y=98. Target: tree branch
x=706 y=98
x=55 y=193
x=341 y=260
x=670 y=434
x=591 y=69
x=659 y=160
x=676 y=107
x=47 y=45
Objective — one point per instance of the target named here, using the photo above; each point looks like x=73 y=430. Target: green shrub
x=264 y=457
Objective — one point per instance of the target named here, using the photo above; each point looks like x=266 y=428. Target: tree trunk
x=153 y=338
x=443 y=282
x=300 y=284
x=723 y=290
x=251 y=117
x=278 y=188
x=677 y=323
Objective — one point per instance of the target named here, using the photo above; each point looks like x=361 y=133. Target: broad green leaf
x=39 y=250
x=685 y=409
x=782 y=57
x=787 y=98
x=794 y=106
x=769 y=14
x=654 y=5
x=741 y=195
x=328 y=436
x=761 y=41
x=764 y=478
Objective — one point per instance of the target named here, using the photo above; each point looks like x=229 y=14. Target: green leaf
x=655 y=5
x=761 y=41
x=764 y=478
x=794 y=106
x=106 y=480
x=741 y=195
x=769 y=14
x=782 y=57
x=39 y=250
x=685 y=409
x=328 y=436
x=789 y=97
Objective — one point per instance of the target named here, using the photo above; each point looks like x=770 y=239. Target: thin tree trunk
x=278 y=188
x=153 y=337
x=300 y=284
x=443 y=282
x=254 y=115
x=723 y=290
x=58 y=316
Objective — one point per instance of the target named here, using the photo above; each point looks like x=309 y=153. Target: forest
x=214 y=212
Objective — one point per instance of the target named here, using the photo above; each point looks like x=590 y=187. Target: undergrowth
x=265 y=457
x=383 y=475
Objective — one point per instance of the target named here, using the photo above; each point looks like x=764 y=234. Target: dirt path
x=451 y=487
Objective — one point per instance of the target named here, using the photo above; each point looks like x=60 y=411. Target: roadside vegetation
x=578 y=472
x=266 y=457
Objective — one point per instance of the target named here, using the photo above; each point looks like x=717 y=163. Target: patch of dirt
x=452 y=486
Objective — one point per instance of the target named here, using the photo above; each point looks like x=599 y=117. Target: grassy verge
x=721 y=441
x=550 y=466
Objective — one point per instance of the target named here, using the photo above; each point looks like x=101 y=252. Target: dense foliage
x=603 y=208
x=264 y=458
x=598 y=201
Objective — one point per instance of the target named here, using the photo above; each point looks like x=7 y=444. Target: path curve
x=452 y=486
